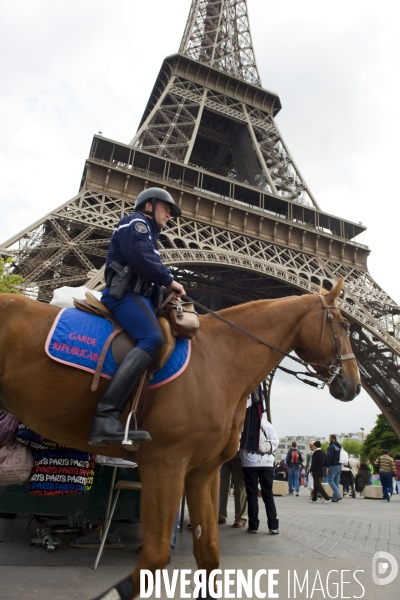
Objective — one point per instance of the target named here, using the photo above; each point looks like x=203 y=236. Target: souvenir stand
x=84 y=510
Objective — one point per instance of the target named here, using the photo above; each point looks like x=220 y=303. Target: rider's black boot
x=106 y=427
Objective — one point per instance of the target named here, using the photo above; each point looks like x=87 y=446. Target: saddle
x=121 y=343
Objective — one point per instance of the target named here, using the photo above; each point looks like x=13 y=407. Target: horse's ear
x=335 y=292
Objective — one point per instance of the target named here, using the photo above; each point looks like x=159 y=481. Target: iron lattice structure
x=250 y=227
x=218 y=34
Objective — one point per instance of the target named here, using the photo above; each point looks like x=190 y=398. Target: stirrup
x=128 y=444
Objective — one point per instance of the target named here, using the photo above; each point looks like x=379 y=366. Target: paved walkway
x=318 y=538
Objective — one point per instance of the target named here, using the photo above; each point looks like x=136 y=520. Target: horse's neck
x=277 y=319
x=276 y=322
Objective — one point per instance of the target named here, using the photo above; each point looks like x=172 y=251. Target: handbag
x=343 y=457
x=8 y=425
x=265 y=445
x=16 y=464
x=182 y=317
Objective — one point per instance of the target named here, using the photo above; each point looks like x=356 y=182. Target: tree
x=353 y=447
x=381 y=436
x=8 y=280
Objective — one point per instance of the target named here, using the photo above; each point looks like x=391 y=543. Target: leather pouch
x=182 y=317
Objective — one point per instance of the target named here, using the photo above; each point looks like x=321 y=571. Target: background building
x=303 y=442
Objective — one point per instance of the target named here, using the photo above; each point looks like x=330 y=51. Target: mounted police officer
x=134 y=273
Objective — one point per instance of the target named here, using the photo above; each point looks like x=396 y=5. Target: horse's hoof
x=123 y=590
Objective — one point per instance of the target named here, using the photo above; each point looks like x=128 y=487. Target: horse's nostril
x=358 y=388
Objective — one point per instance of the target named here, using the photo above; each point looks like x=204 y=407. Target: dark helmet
x=153 y=194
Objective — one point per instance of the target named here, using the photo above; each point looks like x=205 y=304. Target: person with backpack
x=294 y=462
x=258 y=443
x=333 y=466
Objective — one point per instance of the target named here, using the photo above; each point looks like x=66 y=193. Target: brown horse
x=195 y=420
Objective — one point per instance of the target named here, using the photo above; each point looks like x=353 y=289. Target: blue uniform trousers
x=135 y=313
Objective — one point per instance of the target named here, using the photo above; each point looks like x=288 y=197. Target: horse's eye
x=344 y=325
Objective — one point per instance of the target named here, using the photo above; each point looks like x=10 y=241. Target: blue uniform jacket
x=134 y=243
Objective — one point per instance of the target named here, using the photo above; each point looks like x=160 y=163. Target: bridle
x=334 y=368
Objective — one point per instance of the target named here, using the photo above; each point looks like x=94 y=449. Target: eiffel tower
x=250 y=226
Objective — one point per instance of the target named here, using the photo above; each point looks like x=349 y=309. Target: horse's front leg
x=202 y=498
x=162 y=488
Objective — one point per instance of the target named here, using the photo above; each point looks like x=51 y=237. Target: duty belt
x=121 y=279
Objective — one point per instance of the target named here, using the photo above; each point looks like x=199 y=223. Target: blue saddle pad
x=175 y=365
x=77 y=339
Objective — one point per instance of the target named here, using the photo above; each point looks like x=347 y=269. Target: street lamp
x=362 y=433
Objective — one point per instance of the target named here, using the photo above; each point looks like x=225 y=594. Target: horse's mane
x=229 y=312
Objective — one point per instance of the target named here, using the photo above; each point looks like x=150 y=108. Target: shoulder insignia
x=141 y=227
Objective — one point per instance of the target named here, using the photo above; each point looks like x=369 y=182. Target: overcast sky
x=73 y=68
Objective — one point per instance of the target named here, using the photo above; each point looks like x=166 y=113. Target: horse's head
x=325 y=342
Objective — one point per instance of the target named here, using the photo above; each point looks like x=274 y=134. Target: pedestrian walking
x=303 y=476
x=317 y=468
x=294 y=462
x=258 y=442
x=232 y=471
x=354 y=464
x=397 y=467
x=384 y=465
x=333 y=466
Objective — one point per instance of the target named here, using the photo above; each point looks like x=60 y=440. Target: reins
x=334 y=369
